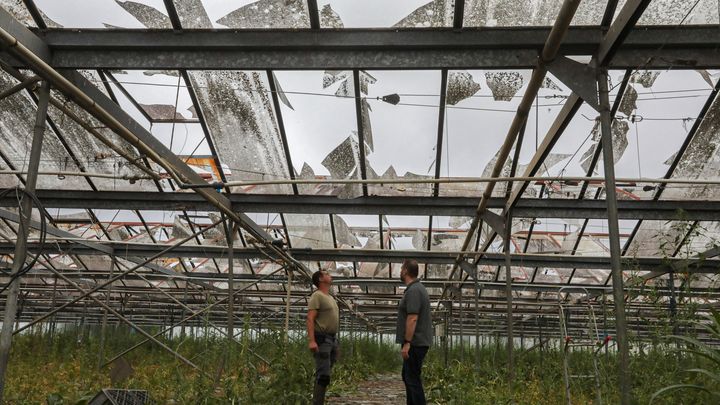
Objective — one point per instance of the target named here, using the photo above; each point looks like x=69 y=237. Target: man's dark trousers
x=411 y=374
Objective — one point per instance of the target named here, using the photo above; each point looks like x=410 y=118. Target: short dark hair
x=317 y=276
x=411 y=266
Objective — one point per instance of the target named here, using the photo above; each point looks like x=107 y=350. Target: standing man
x=414 y=331
x=323 y=322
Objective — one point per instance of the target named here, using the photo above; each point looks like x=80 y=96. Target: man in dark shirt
x=414 y=331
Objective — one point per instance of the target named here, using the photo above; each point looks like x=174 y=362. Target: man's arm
x=311 y=315
x=410 y=324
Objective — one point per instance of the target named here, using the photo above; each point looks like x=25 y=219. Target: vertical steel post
x=21 y=246
x=230 y=236
x=287 y=305
x=673 y=302
x=614 y=238
x=460 y=317
x=477 y=323
x=508 y=295
x=103 y=327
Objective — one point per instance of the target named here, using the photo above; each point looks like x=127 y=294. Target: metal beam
x=375 y=205
x=369 y=255
x=690 y=47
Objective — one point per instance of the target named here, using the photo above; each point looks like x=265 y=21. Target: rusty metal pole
x=614 y=239
x=20 y=253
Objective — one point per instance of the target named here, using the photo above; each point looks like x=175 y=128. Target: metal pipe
x=119 y=276
x=191 y=316
x=18 y=87
x=20 y=253
x=452 y=180
x=129 y=323
x=78 y=174
x=614 y=239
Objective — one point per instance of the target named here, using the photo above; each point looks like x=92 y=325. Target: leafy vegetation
x=63 y=369
x=707 y=357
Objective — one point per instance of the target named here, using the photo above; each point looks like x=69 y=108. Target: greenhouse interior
x=174 y=172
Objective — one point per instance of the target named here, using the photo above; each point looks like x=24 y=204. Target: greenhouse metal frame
x=492 y=270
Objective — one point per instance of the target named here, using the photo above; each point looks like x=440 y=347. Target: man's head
x=408 y=270
x=322 y=280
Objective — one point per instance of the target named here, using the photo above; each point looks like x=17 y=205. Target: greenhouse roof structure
x=196 y=150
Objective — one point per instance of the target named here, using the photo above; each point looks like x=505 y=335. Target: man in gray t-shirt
x=414 y=331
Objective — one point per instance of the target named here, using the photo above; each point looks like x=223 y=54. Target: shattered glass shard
x=460 y=86
x=629 y=101
x=162 y=112
x=343 y=160
x=241 y=121
x=367 y=126
x=366 y=79
x=333 y=76
x=147 y=15
x=17 y=9
x=343 y=234
x=549 y=84
x=709 y=78
x=646 y=78
x=504 y=85
x=192 y=14
x=329 y=18
x=437 y=13
x=280 y=93
x=619 y=141
x=269 y=14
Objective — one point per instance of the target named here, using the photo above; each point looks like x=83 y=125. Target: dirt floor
x=380 y=390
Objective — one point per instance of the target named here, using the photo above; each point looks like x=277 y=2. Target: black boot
x=319 y=394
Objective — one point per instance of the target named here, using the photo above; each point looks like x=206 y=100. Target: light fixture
x=393 y=99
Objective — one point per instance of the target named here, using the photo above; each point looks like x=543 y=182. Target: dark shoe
x=319 y=395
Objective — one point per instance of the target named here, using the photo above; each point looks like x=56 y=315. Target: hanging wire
x=43 y=230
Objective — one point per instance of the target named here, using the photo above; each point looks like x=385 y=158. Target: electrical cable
x=43 y=231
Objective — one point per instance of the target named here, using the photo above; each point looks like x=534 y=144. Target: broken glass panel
x=357 y=231
x=17 y=9
x=96 y=157
x=666 y=105
x=404 y=135
x=163 y=95
x=398 y=13
x=701 y=160
x=573 y=152
x=309 y=231
x=104 y=13
x=658 y=238
x=402 y=232
x=321 y=129
x=590 y=276
x=270 y=222
x=241 y=121
x=260 y=14
x=675 y=12
x=492 y=108
x=17 y=120
x=513 y=13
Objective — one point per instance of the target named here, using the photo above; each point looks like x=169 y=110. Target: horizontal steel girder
x=375 y=205
x=122 y=249
x=654 y=47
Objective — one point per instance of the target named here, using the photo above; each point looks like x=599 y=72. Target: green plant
x=705 y=352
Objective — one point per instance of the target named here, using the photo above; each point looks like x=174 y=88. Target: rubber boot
x=319 y=395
